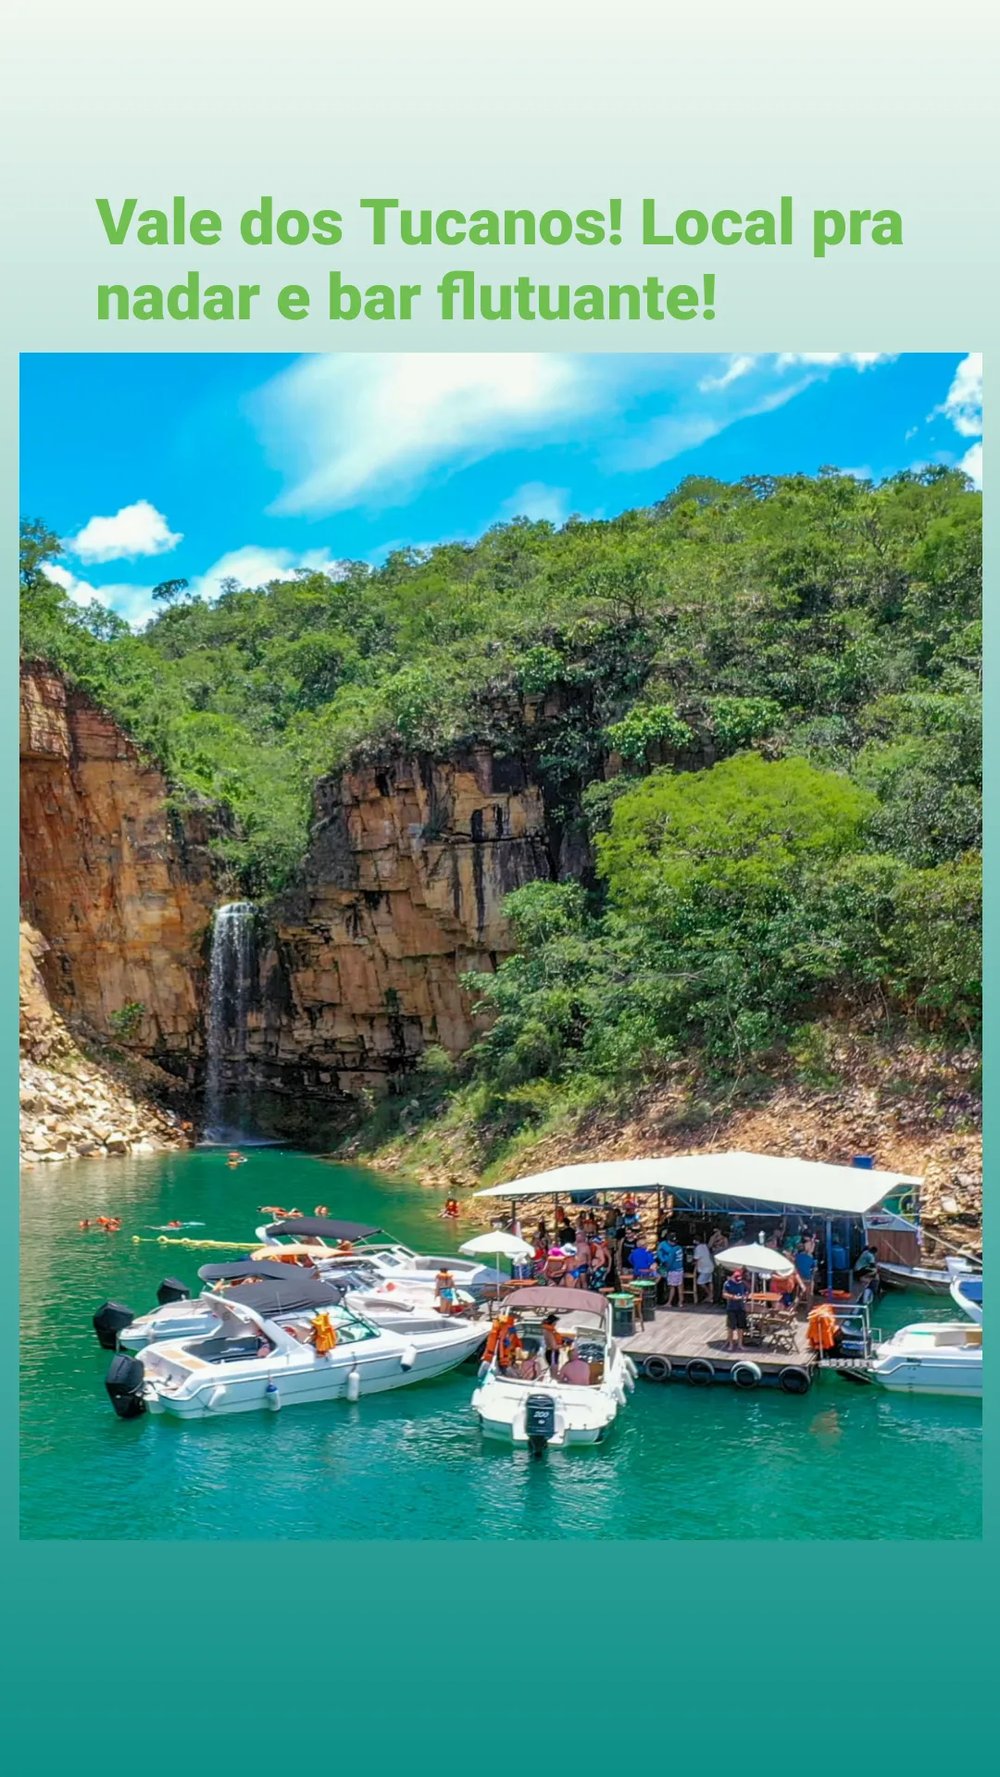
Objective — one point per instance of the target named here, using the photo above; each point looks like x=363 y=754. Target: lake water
x=842 y=1461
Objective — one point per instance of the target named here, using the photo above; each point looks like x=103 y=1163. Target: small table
x=759 y=1306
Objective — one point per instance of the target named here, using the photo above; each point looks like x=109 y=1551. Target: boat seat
x=224 y=1351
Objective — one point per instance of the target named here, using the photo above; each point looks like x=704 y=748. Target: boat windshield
x=350 y=1329
x=570 y=1351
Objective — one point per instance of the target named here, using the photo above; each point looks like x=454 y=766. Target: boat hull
x=931 y=1358
x=248 y=1390
x=927 y=1378
x=916 y=1277
x=581 y=1415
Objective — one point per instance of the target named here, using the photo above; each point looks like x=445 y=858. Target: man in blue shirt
x=670 y=1258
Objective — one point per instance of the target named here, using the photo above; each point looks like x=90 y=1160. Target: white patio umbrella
x=497 y=1245
x=763 y=1259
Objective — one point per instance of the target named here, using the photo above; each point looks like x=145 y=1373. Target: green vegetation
x=125 y=1022
x=813 y=643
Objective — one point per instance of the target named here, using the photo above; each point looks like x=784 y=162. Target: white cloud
x=832 y=360
x=737 y=367
x=134 y=530
x=252 y=567
x=963 y=404
x=364 y=429
x=673 y=434
x=972 y=463
x=134 y=603
x=535 y=499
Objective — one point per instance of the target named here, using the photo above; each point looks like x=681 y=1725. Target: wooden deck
x=682 y=1335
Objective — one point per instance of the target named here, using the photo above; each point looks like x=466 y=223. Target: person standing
x=805 y=1265
x=734 y=1294
x=704 y=1271
x=717 y=1244
x=670 y=1258
x=554 y=1342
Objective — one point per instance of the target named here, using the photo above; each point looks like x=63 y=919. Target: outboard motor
x=110 y=1320
x=539 y=1421
x=124 y=1382
x=172 y=1290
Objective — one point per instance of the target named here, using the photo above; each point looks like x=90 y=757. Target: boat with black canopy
x=331 y=1242
x=405 y=1308
x=272 y=1342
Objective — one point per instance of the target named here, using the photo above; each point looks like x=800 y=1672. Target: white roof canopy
x=758 y=1178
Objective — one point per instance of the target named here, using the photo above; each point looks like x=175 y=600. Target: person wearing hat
x=734 y=1293
x=555 y=1265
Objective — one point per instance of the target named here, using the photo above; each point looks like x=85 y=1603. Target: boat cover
x=293 y=1292
x=556 y=1301
x=243 y=1268
x=323 y=1228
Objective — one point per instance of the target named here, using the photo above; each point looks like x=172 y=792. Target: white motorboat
x=399 y=1307
x=931 y=1357
x=331 y=1242
x=281 y=1343
x=967 y=1294
x=898 y=1242
x=933 y=1280
x=518 y=1399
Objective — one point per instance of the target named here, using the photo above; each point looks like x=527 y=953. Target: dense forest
x=753 y=709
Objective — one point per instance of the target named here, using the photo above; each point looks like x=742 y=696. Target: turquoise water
x=842 y=1461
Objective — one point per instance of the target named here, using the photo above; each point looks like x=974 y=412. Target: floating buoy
x=794 y=1380
x=746 y=1374
x=272 y=1397
x=700 y=1372
x=353 y=1384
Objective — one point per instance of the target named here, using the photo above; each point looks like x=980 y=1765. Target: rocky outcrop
x=356 y=973
x=73 y=1104
x=121 y=886
x=408 y=867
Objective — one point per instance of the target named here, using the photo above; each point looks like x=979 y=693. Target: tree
x=735 y=831
x=38 y=546
x=168 y=590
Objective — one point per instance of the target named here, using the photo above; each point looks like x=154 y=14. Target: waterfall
x=230 y=980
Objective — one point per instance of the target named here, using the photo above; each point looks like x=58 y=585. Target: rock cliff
x=73 y=1103
x=356 y=972
x=121 y=887
x=407 y=869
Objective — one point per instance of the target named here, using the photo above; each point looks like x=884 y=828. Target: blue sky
x=156 y=466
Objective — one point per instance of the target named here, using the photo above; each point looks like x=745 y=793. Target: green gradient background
x=542 y=103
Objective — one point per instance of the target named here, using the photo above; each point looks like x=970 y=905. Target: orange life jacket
x=502 y=1341
x=324 y=1334
x=821 y=1330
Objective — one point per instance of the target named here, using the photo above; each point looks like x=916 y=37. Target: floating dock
x=689 y=1345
